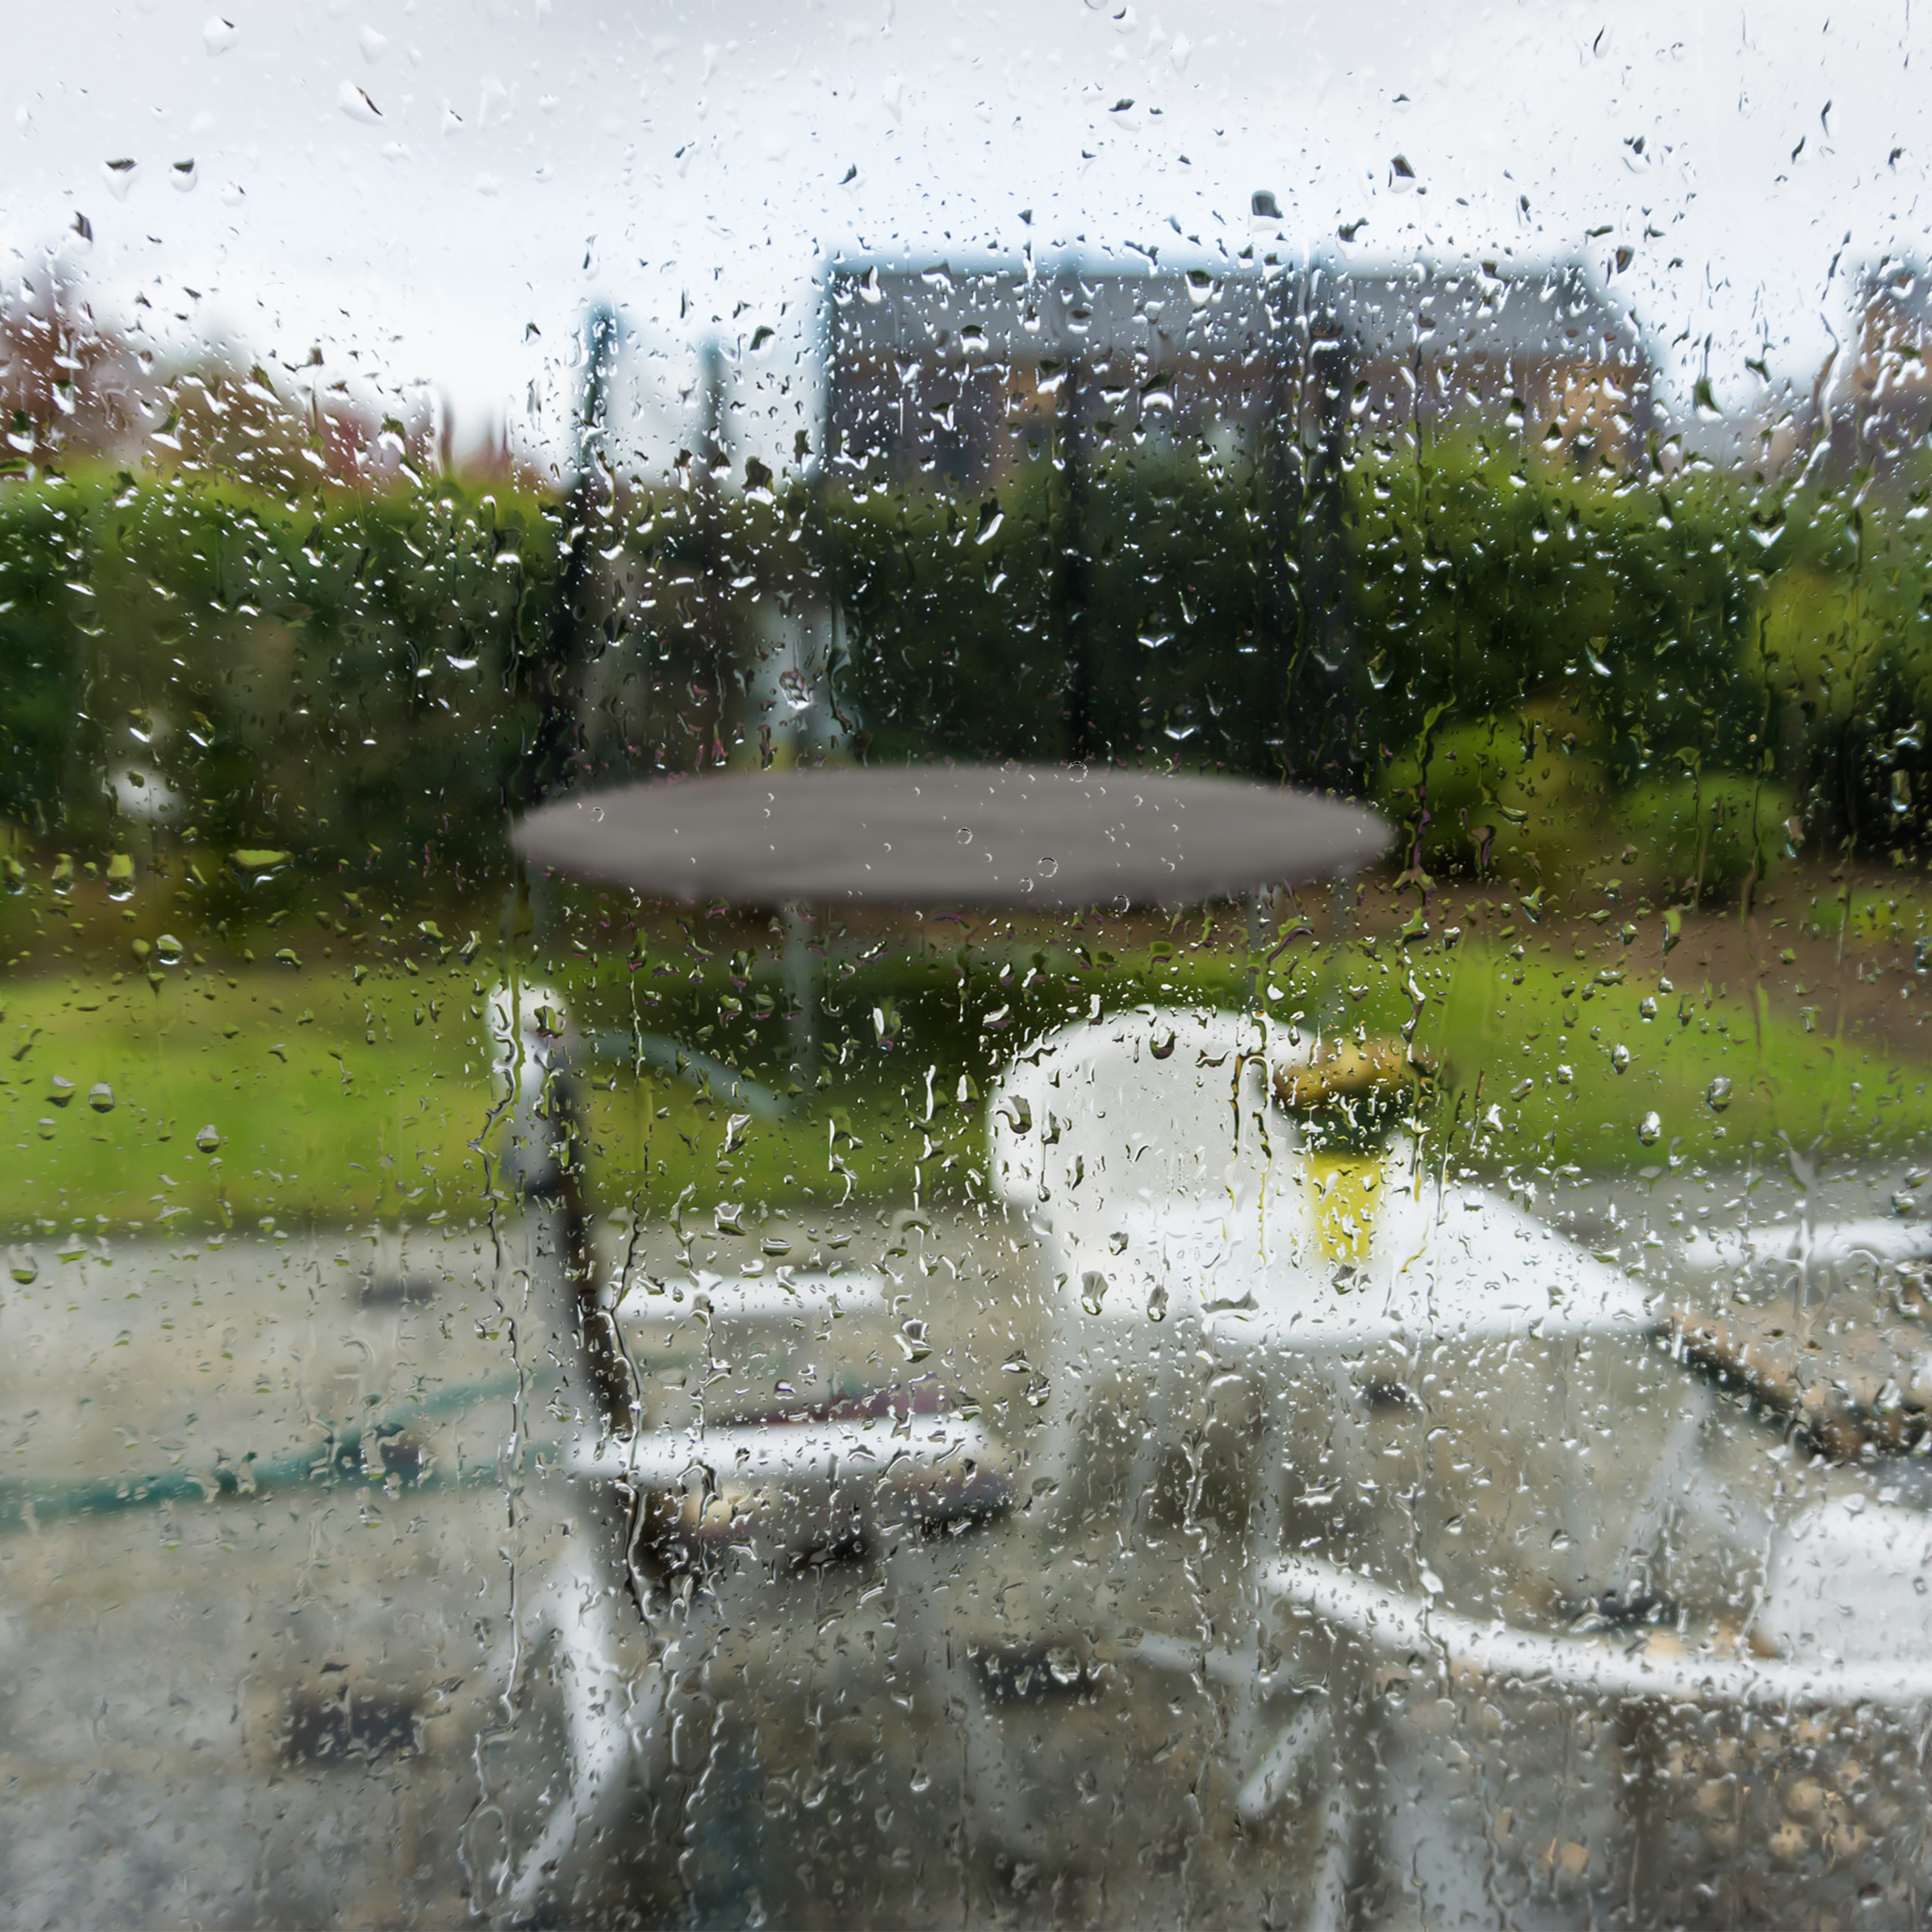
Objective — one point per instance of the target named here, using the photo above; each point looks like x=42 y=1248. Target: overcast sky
x=432 y=191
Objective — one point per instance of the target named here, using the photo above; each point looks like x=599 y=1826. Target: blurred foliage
x=295 y=728
x=1542 y=670
x=344 y=681
x=1551 y=674
x=46 y=541
x=962 y=619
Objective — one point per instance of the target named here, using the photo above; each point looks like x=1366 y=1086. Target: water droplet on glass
x=59 y=1090
x=22 y=1266
x=120 y=877
x=182 y=173
x=252 y=864
x=1093 y=1291
x=1717 y=1095
x=100 y=1097
x=1650 y=1130
x=218 y=36
x=169 y=950
x=208 y=1140
x=1619 y=1056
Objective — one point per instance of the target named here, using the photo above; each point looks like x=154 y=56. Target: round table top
x=1017 y=836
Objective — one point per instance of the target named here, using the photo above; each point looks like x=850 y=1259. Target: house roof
x=951 y=313
x=1558 y=311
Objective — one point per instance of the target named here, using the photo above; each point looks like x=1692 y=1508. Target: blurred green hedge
x=1677 y=680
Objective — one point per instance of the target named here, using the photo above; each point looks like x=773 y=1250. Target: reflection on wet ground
x=265 y=1507
x=311 y=1612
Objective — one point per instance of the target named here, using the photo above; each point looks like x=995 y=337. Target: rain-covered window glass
x=964 y=966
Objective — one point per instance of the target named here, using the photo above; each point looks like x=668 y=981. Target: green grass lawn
x=323 y=1096
x=1541 y=1034
x=343 y=1100
x=340 y=1098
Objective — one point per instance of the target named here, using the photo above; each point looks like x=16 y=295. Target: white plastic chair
x=1193 y=1232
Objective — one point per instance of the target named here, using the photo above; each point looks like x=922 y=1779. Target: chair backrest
x=529 y=1041
x=1150 y=1151
x=1158 y=1102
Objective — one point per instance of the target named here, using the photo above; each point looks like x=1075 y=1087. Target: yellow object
x=1343 y=1071
x=1344 y=1188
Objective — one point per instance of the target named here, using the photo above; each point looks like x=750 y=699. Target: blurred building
x=1538 y=354
x=74 y=387
x=67 y=385
x=1882 y=400
x=959 y=375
